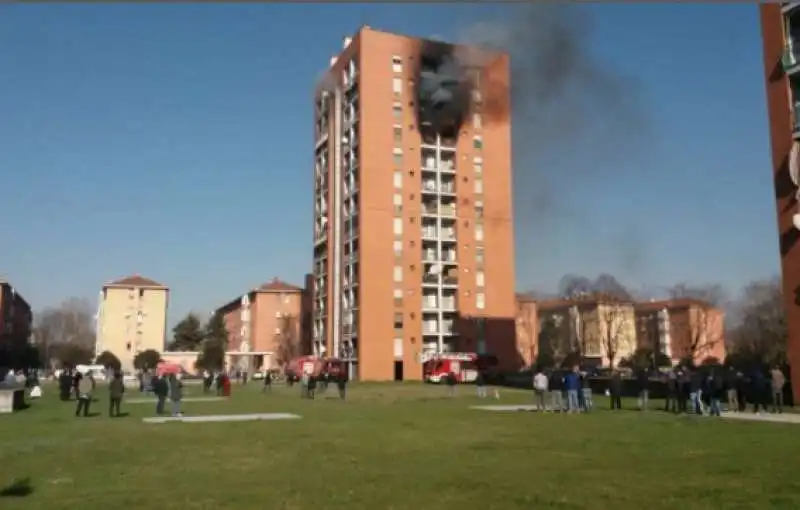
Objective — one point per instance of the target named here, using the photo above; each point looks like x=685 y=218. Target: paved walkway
x=222 y=417
x=768 y=417
x=188 y=399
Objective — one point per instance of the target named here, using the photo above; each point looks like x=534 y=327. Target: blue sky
x=173 y=141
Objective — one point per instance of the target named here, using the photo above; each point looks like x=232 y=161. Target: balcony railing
x=791 y=57
x=450 y=280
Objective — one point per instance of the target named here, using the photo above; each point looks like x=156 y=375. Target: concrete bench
x=11 y=399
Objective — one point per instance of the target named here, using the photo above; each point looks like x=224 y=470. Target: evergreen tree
x=215 y=343
x=187 y=335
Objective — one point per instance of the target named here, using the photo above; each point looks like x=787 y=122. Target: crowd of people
x=687 y=390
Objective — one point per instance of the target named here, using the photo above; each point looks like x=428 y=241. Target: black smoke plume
x=578 y=122
x=442 y=89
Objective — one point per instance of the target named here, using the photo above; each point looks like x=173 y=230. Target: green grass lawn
x=393 y=447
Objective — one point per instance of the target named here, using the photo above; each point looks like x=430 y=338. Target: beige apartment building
x=267 y=326
x=682 y=328
x=413 y=237
x=131 y=318
x=594 y=325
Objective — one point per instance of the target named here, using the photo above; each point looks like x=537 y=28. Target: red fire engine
x=463 y=364
x=316 y=366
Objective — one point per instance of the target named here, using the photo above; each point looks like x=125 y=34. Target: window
x=480 y=300
x=398 y=179
x=398 y=159
x=479 y=255
x=476 y=120
x=397 y=110
x=478 y=209
x=398 y=199
x=398 y=247
x=398 y=274
x=397 y=86
x=398 y=135
x=397 y=64
x=479 y=186
x=398 y=293
x=478 y=167
x=479 y=232
x=477 y=142
x=398 y=321
x=479 y=278
x=398 y=226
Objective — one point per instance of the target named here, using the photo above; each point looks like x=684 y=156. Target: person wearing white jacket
x=540 y=387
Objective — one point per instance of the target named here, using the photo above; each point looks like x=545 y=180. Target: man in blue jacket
x=572 y=383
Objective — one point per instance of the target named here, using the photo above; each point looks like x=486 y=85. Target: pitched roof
x=276 y=285
x=136 y=280
x=673 y=304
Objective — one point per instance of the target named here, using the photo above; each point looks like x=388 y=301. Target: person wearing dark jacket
x=759 y=387
x=160 y=389
x=341 y=383
x=175 y=394
x=556 y=392
x=65 y=385
x=671 y=404
x=480 y=384
x=684 y=390
x=696 y=384
x=716 y=386
x=115 y=390
x=615 y=390
x=312 y=386
x=572 y=383
x=267 y=382
x=451 y=380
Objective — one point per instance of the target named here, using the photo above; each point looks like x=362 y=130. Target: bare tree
x=614 y=325
x=711 y=293
x=554 y=340
x=71 y=323
x=761 y=332
x=527 y=326
x=287 y=339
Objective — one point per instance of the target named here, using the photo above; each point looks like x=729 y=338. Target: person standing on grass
x=778 y=382
x=175 y=394
x=643 y=378
x=65 y=384
x=572 y=383
x=85 y=390
x=586 y=393
x=267 y=382
x=683 y=390
x=759 y=387
x=732 y=390
x=615 y=390
x=717 y=391
x=480 y=384
x=451 y=380
x=540 y=387
x=116 y=387
x=312 y=386
x=160 y=390
x=671 y=402
x=696 y=392
x=556 y=395
x=341 y=383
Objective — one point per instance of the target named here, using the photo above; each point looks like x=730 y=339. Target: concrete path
x=188 y=399
x=222 y=417
x=768 y=417
x=505 y=408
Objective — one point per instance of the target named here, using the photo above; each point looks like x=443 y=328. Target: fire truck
x=316 y=366
x=436 y=366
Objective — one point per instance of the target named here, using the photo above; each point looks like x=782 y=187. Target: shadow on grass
x=17 y=489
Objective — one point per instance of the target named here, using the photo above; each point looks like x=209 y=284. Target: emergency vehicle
x=436 y=366
x=316 y=366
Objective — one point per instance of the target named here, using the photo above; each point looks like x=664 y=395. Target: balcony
x=791 y=57
x=429 y=209
x=789 y=6
x=450 y=280
x=430 y=279
x=430 y=234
